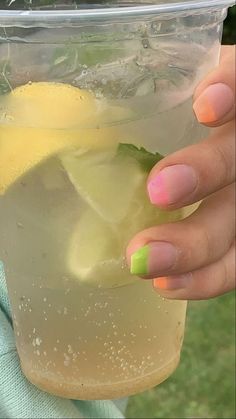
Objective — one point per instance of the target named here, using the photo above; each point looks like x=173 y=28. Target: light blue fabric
x=19 y=398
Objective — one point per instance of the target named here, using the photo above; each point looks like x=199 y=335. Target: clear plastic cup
x=90 y=100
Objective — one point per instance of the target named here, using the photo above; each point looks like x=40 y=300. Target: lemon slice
x=37 y=120
x=52 y=105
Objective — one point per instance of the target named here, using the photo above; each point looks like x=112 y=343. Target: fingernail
x=213 y=103
x=172 y=184
x=153 y=258
x=172 y=282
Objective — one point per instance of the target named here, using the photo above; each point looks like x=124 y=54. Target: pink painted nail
x=172 y=184
x=214 y=103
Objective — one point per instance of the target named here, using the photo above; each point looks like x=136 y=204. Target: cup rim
x=113 y=12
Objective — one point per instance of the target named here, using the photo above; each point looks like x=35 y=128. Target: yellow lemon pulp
x=41 y=119
x=52 y=105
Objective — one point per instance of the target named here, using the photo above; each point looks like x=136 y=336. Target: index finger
x=214 y=97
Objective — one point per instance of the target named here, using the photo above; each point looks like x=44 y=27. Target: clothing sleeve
x=19 y=398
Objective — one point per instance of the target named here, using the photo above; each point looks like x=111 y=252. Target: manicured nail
x=172 y=282
x=172 y=184
x=139 y=261
x=154 y=258
x=213 y=103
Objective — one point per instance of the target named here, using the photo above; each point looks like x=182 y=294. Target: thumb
x=214 y=98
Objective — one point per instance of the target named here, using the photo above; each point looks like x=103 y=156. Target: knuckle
x=223 y=162
x=199 y=249
x=205 y=244
x=197 y=246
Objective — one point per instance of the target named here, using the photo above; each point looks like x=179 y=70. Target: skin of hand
x=195 y=258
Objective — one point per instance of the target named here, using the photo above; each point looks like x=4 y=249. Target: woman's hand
x=195 y=258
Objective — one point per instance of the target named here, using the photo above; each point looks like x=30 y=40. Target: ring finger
x=173 y=249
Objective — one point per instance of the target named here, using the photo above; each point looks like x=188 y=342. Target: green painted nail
x=139 y=261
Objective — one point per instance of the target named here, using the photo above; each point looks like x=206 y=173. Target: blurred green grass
x=203 y=386
x=229 y=32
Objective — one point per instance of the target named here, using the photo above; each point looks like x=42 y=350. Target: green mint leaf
x=73 y=56
x=145 y=158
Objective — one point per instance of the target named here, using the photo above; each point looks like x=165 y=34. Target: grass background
x=203 y=386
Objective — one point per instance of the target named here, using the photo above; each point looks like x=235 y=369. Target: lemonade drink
x=72 y=199
x=81 y=126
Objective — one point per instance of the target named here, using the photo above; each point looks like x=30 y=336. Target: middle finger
x=195 y=172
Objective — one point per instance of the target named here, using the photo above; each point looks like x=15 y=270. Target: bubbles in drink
x=88 y=316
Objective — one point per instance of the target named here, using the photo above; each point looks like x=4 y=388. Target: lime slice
x=108 y=184
x=96 y=251
x=114 y=188
x=95 y=255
